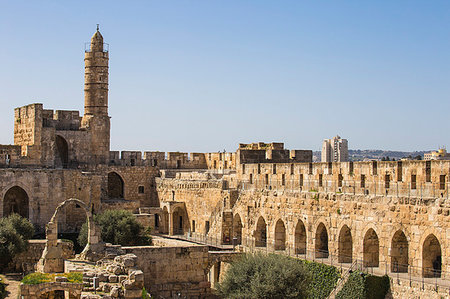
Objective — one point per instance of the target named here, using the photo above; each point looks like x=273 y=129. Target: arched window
x=115 y=186
x=280 y=235
x=345 y=245
x=16 y=201
x=321 y=245
x=371 y=249
x=62 y=152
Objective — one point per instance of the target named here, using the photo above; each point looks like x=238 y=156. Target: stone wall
x=26 y=261
x=173 y=270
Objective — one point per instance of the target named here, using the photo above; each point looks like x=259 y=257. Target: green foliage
x=265 y=276
x=323 y=279
x=38 y=277
x=118 y=227
x=2 y=288
x=364 y=286
x=377 y=287
x=15 y=231
x=74 y=277
x=145 y=295
x=353 y=288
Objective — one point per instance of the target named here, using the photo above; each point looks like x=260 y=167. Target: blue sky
x=203 y=76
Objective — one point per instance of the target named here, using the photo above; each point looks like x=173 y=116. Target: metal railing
x=434 y=276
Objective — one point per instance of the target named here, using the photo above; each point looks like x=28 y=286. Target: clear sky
x=207 y=75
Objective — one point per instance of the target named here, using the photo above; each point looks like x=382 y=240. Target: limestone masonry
x=393 y=216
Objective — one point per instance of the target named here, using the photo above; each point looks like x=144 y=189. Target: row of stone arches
x=398 y=251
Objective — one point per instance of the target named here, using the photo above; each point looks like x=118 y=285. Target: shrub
x=37 y=278
x=365 y=286
x=118 y=227
x=265 y=276
x=323 y=279
x=2 y=288
x=15 y=231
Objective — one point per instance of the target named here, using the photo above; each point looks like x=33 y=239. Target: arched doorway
x=321 y=246
x=261 y=233
x=178 y=219
x=237 y=229
x=399 y=253
x=300 y=238
x=115 y=186
x=371 y=249
x=345 y=245
x=16 y=201
x=61 y=152
x=164 y=221
x=280 y=235
x=431 y=257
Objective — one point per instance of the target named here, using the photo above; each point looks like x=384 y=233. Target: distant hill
x=361 y=155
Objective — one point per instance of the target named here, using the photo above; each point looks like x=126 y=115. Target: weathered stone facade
x=394 y=216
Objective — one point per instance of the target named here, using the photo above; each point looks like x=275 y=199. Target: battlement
x=261 y=146
x=62 y=120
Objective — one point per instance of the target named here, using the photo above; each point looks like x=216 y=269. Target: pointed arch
x=261 y=233
x=16 y=200
x=61 y=152
x=115 y=186
x=321 y=241
x=300 y=238
x=280 y=235
x=345 y=245
x=237 y=229
x=399 y=252
x=371 y=249
x=431 y=257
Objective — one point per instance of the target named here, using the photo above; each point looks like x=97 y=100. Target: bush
x=15 y=231
x=2 y=288
x=265 y=276
x=118 y=227
x=38 y=277
x=323 y=279
x=361 y=285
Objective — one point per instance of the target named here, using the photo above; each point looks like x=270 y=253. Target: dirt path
x=12 y=282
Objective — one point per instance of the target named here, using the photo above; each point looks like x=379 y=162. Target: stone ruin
x=114 y=275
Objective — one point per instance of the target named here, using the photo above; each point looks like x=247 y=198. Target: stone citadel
x=394 y=216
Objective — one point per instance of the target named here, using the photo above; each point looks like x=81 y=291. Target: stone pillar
x=215 y=274
x=52 y=258
x=170 y=223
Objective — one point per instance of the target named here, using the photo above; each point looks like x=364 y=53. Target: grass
x=37 y=277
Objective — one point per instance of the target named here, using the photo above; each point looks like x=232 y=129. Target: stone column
x=171 y=223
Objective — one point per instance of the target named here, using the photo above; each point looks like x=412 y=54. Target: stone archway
x=179 y=221
x=321 y=242
x=345 y=245
x=115 y=186
x=51 y=260
x=237 y=229
x=300 y=238
x=399 y=253
x=431 y=257
x=164 y=221
x=261 y=233
x=61 y=152
x=16 y=201
x=371 y=249
x=280 y=235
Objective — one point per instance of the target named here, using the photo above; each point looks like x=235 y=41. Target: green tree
x=265 y=276
x=15 y=231
x=118 y=227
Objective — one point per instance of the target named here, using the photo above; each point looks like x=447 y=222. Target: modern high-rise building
x=335 y=150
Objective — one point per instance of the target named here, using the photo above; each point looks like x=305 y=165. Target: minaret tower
x=96 y=119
